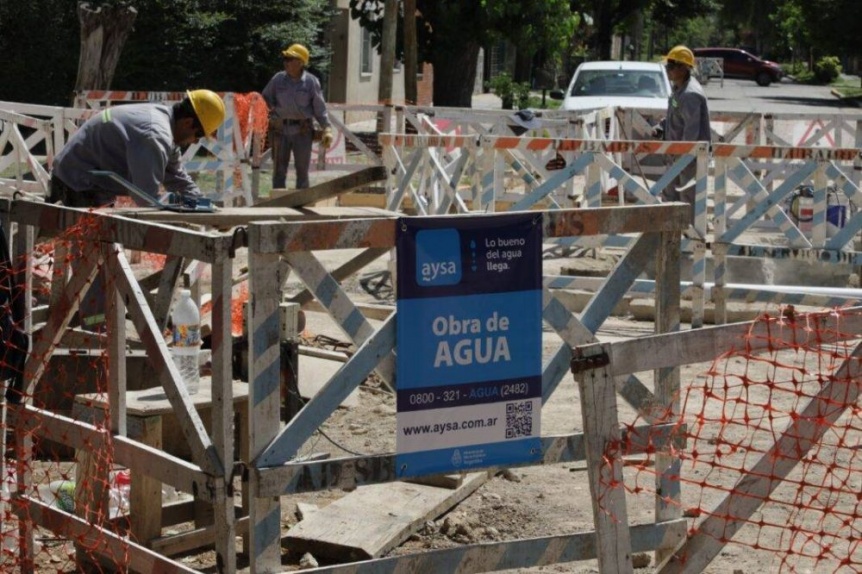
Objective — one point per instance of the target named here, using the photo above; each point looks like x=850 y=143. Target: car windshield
x=637 y=83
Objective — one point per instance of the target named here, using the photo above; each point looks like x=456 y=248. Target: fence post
x=223 y=412
x=602 y=442
x=264 y=401
x=667 y=407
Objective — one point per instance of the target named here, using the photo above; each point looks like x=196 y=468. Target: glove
x=326 y=140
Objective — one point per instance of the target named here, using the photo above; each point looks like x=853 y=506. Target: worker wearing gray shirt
x=294 y=97
x=139 y=142
x=687 y=118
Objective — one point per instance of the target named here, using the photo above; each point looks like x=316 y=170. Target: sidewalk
x=486 y=102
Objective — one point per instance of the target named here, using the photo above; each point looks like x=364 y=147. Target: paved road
x=782 y=97
x=747 y=96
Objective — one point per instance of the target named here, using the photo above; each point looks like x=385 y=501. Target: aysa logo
x=438 y=257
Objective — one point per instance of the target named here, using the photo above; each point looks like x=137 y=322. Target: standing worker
x=139 y=142
x=294 y=97
x=687 y=118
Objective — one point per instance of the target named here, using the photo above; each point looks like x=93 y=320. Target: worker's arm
x=177 y=180
x=152 y=163
x=318 y=105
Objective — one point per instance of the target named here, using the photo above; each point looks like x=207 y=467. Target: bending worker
x=687 y=118
x=294 y=97
x=141 y=143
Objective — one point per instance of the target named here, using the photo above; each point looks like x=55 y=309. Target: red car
x=740 y=64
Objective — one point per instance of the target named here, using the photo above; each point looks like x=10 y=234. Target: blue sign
x=469 y=361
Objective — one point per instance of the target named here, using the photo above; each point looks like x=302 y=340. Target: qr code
x=519 y=419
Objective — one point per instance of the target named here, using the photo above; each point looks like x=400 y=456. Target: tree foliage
x=451 y=33
x=40 y=41
x=229 y=45
x=234 y=45
x=832 y=26
x=781 y=28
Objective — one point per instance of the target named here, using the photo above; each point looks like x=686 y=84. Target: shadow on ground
x=819 y=102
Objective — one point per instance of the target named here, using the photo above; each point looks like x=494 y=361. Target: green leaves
x=230 y=45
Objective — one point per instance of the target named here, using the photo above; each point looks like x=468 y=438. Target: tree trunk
x=103 y=33
x=455 y=75
x=411 y=90
x=523 y=65
x=387 y=58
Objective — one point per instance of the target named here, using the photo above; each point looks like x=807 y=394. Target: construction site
x=696 y=372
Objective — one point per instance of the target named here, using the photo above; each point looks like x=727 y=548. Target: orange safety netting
x=252 y=114
x=771 y=458
x=41 y=465
x=52 y=466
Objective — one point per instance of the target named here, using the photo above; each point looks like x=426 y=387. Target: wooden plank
x=228 y=217
x=372 y=520
x=167 y=284
x=115 y=324
x=223 y=402
x=315 y=372
x=59 y=319
x=344 y=271
x=192 y=539
x=277 y=238
x=142 y=235
x=169 y=376
x=145 y=504
x=707 y=343
x=288 y=441
x=265 y=281
x=616 y=220
x=604 y=464
x=98 y=540
x=154 y=401
x=349 y=472
x=450 y=481
x=80 y=434
x=331 y=188
x=369 y=311
x=666 y=406
x=340 y=307
x=525 y=553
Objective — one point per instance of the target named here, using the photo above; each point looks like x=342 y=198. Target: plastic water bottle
x=118 y=500
x=187 y=340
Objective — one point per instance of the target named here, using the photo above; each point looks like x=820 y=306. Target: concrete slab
x=314 y=372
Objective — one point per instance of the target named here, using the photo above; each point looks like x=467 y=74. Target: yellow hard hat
x=682 y=55
x=297 y=51
x=209 y=109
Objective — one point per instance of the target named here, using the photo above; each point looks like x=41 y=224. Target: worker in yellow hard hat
x=687 y=118
x=295 y=102
x=142 y=144
x=139 y=142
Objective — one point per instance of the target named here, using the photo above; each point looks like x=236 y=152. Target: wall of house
x=347 y=83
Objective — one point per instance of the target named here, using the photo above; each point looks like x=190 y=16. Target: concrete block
x=315 y=372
